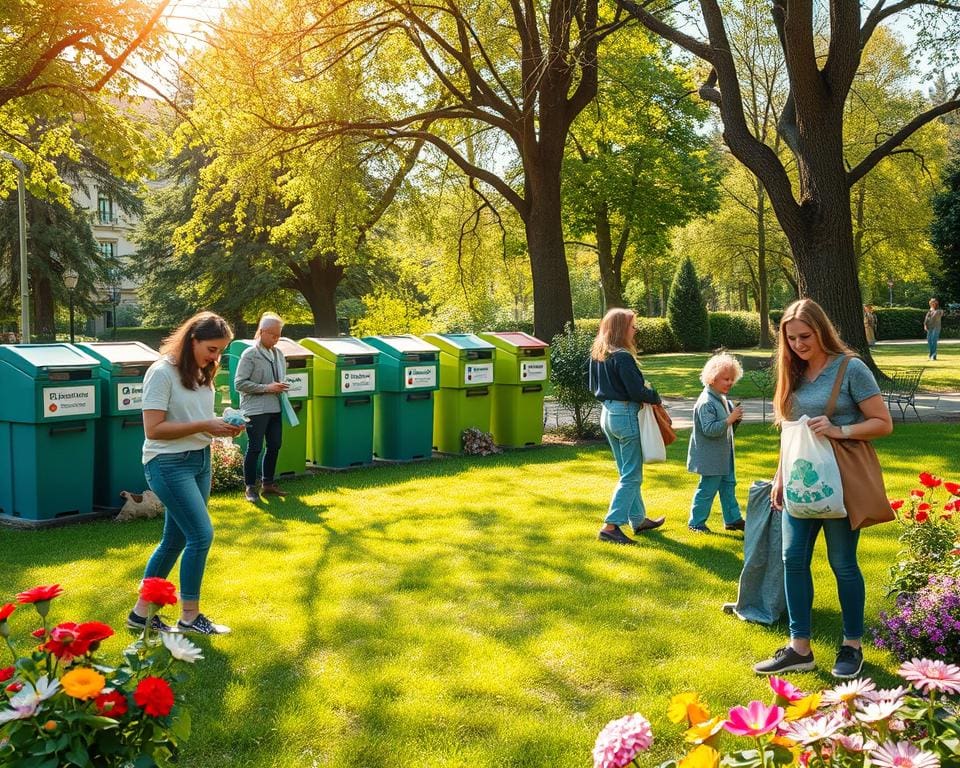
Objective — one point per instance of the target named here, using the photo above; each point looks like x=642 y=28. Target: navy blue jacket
x=619 y=378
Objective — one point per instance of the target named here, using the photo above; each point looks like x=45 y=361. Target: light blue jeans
x=618 y=420
x=707 y=489
x=182 y=482
x=933 y=336
x=799 y=538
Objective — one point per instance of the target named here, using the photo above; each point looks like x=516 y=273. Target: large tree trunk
x=44 y=325
x=611 y=268
x=318 y=283
x=762 y=280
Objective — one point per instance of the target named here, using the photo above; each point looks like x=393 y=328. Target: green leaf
x=181 y=725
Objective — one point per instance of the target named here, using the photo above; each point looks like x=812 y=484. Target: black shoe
x=251 y=494
x=139 y=623
x=616 y=536
x=699 y=528
x=739 y=525
x=203 y=626
x=648 y=524
x=849 y=662
x=785 y=660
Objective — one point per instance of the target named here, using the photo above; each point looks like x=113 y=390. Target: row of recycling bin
x=71 y=426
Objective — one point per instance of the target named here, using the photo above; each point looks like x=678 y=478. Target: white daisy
x=181 y=648
x=854 y=742
x=873 y=711
x=813 y=729
x=887 y=694
x=847 y=693
x=902 y=754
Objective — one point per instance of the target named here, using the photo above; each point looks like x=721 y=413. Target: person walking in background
x=710 y=453
x=808 y=360
x=179 y=425
x=616 y=381
x=260 y=379
x=932 y=322
x=870 y=324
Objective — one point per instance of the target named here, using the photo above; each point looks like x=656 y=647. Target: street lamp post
x=70 y=278
x=22 y=216
x=890 y=290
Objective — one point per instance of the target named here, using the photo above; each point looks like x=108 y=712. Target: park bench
x=900 y=389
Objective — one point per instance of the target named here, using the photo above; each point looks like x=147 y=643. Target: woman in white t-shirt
x=179 y=425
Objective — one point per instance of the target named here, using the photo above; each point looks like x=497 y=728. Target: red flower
x=113 y=704
x=917 y=493
x=14 y=688
x=952 y=488
x=896 y=504
x=70 y=640
x=158 y=591
x=955 y=552
x=922 y=516
x=6 y=673
x=40 y=594
x=154 y=696
x=7 y=609
x=928 y=480
x=923 y=507
x=39 y=633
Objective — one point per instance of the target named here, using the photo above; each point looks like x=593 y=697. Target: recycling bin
x=340 y=410
x=522 y=370
x=463 y=399
x=118 y=434
x=221 y=385
x=292 y=459
x=403 y=406
x=48 y=408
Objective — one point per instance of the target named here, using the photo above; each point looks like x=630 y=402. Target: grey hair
x=269 y=318
x=717 y=365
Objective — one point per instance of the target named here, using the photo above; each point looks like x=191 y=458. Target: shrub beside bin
x=522 y=370
x=463 y=399
x=403 y=406
x=49 y=404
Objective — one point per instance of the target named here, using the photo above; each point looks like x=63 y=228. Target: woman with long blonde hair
x=809 y=355
x=616 y=381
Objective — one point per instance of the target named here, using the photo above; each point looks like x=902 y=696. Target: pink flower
x=930 y=675
x=785 y=691
x=754 y=719
x=902 y=754
x=621 y=741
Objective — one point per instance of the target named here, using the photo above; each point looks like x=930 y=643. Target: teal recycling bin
x=340 y=413
x=48 y=407
x=403 y=406
x=117 y=463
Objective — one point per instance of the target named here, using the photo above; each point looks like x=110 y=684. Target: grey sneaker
x=203 y=626
x=785 y=660
x=139 y=623
x=699 y=528
x=849 y=662
x=251 y=494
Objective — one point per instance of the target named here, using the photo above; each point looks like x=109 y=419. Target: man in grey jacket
x=260 y=379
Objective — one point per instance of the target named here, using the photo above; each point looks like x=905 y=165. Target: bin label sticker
x=298 y=384
x=533 y=371
x=69 y=402
x=419 y=376
x=358 y=380
x=478 y=373
x=130 y=396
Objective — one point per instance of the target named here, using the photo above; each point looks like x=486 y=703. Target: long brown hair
x=790 y=368
x=178 y=346
x=616 y=331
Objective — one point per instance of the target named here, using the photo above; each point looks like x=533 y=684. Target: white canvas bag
x=811 y=478
x=651 y=441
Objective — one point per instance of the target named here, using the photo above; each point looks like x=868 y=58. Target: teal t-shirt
x=811 y=397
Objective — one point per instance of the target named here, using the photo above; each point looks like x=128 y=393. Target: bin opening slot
x=358 y=360
x=133 y=370
x=80 y=373
x=419 y=357
x=358 y=400
x=67 y=429
x=531 y=388
x=296 y=362
x=477 y=392
x=533 y=352
x=419 y=395
x=297 y=405
x=479 y=354
x=132 y=423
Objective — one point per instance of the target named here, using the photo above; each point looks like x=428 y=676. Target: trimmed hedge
x=653 y=334
x=151 y=336
x=734 y=330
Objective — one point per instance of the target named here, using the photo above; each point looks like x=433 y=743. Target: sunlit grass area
x=460 y=612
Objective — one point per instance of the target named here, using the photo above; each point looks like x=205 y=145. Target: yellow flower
x=703 y=733
x=701 y=757
x=83 y=683
x=804 y=707
x=687 y=706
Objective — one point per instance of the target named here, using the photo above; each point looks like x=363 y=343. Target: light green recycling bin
x=117 y=464
x=340 y=413
x=522 y=372
x=403 y=405
x=292 y=459
x=48 y=406
x=463 y=400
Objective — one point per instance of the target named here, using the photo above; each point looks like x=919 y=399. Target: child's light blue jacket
x=711 y=441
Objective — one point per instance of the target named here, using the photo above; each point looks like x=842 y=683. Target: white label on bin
x=533 y=371
x=130 y=397
x=298 y=385
x=419 y=376
x=359 y=380
x=67 y=402
x=478 y=373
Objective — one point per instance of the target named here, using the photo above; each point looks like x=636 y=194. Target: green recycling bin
x=292 y=459
x=403 y=406
x=340 y=411
x=522 y=372
x=221 y=385
x=117 y=463
x=47 y=412
x=463 y=399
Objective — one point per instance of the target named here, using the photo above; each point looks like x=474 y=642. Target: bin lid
x=291 y=349
x=405 y=344
x=37 y=359
x=515 y=339
x=336 y=347
x=117 y=354
x=458 y=343
x=236 y=347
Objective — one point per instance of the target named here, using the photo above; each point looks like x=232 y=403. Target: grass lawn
x=460 y=612
x=678 y=374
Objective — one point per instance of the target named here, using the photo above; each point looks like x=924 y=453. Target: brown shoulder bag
x=665 y=423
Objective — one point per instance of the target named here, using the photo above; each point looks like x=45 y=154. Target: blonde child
x=710 y=454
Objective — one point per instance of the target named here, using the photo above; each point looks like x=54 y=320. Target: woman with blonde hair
x=616 y=381
x=809 y=358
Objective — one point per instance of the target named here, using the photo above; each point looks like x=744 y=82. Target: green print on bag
x=805 y=486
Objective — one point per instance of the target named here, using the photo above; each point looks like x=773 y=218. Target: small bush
x=653 y=334
x=687 y=311
x=924 y=624
x=476 y=442
x=226 y=466
x=734 y=330
x=900 y=323
x=151 y=336
x=569 y=366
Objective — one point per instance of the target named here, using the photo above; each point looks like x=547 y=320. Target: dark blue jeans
x=260 y=426
x=182 y=482
x=799 y=538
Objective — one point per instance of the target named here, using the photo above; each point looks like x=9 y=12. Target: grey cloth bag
x=761 y=598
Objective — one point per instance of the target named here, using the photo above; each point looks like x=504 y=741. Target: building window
x=104 y=209
x=109 y=250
